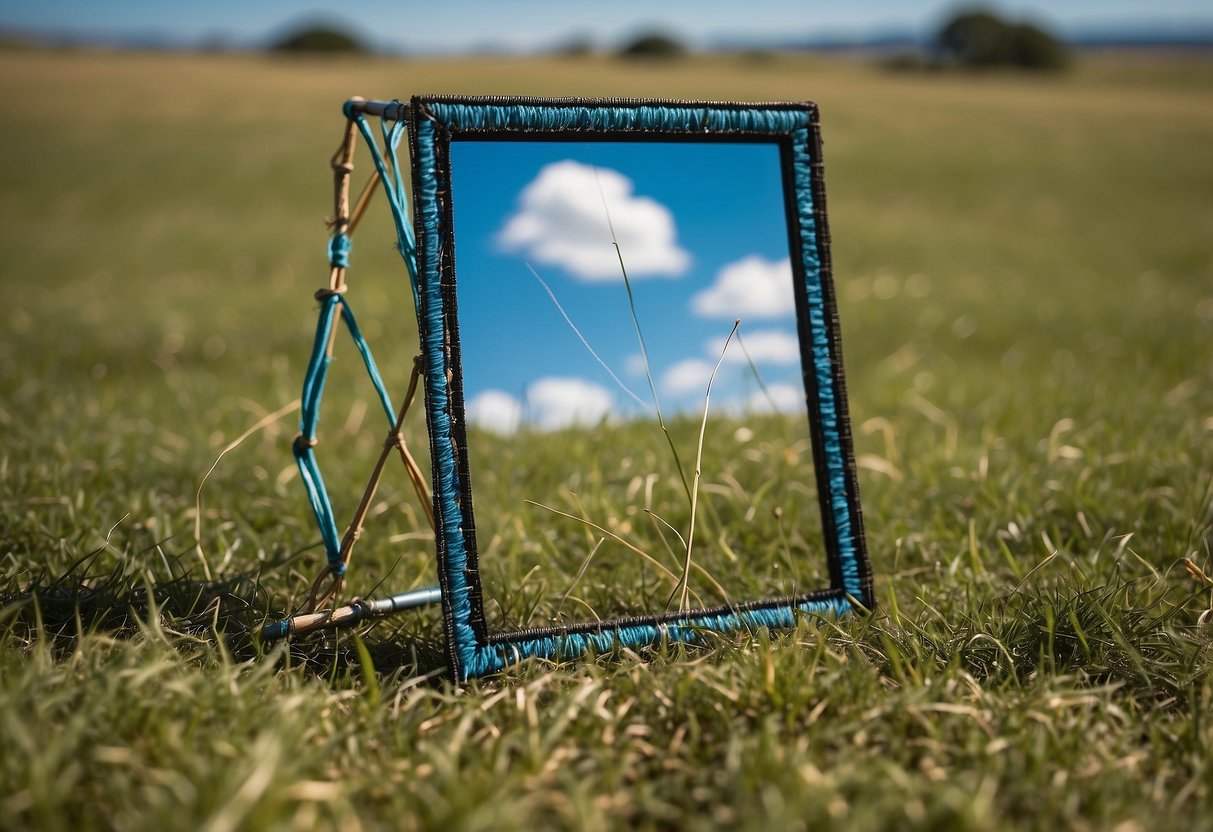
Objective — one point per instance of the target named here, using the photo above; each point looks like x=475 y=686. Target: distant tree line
x=973 y=39
x=319 y=39
x=978 y=39
x=981 y=40
x=650 y=44
x=325 y=39
x=653 y=45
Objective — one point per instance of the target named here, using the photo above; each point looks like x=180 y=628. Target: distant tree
x=981 y=39
x=1037 y=49
x=653 y=45
x=320 y=39
x=975 y=39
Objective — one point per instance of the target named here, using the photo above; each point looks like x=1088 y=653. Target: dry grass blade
x=264 y=421
x=580 y=574
x=673 y=578
x=644 y=351
x=703 y=426
x=586 y=343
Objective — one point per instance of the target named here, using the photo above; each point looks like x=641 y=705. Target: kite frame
x=433 y=123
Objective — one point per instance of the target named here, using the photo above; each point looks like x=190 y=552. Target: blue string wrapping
x=339 y=251
x=339 y=246
x=688 y=119
x=305 y=456
x=691 y=630
x=474 y=656
x=823 y=365
x=393 y=188
x=368 y=360
x=313 y=392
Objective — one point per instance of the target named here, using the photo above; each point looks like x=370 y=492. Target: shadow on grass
x=227 y=613
x=1144 y=638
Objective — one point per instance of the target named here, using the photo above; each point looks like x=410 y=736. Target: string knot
x=339 y=251
x=302 y=443
x=327 y=292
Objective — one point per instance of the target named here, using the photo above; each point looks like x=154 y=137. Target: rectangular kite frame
x=433 y=123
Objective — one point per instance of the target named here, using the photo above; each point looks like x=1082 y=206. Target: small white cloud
x=554 y=403
x=495 y=411
x=783 y=398
x=561 y=221
x=688 y=376
x=752 y=287
x=765 y=346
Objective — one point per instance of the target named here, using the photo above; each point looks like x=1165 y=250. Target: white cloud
x=766 y=346
x=561 y=221
x=494 y=410
x=752 y=287
x=554 y=403
x=786 y=398
x=688 y=376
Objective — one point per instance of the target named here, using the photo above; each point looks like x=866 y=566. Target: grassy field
x=1025 y=275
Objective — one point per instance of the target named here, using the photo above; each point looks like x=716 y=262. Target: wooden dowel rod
x=352 y=614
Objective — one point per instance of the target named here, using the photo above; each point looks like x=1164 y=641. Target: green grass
x=1025 y=278
x=611 y=526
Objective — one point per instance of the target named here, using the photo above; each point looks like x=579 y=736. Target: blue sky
x=694 y=223
x=437 y=26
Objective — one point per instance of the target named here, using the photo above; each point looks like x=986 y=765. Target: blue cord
x=339 y=246
x=394 y=189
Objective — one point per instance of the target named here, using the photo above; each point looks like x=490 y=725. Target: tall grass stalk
x=691 y=487
x=584 y=342
x=268 y=419
x=644 y=352
x=703 y=425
